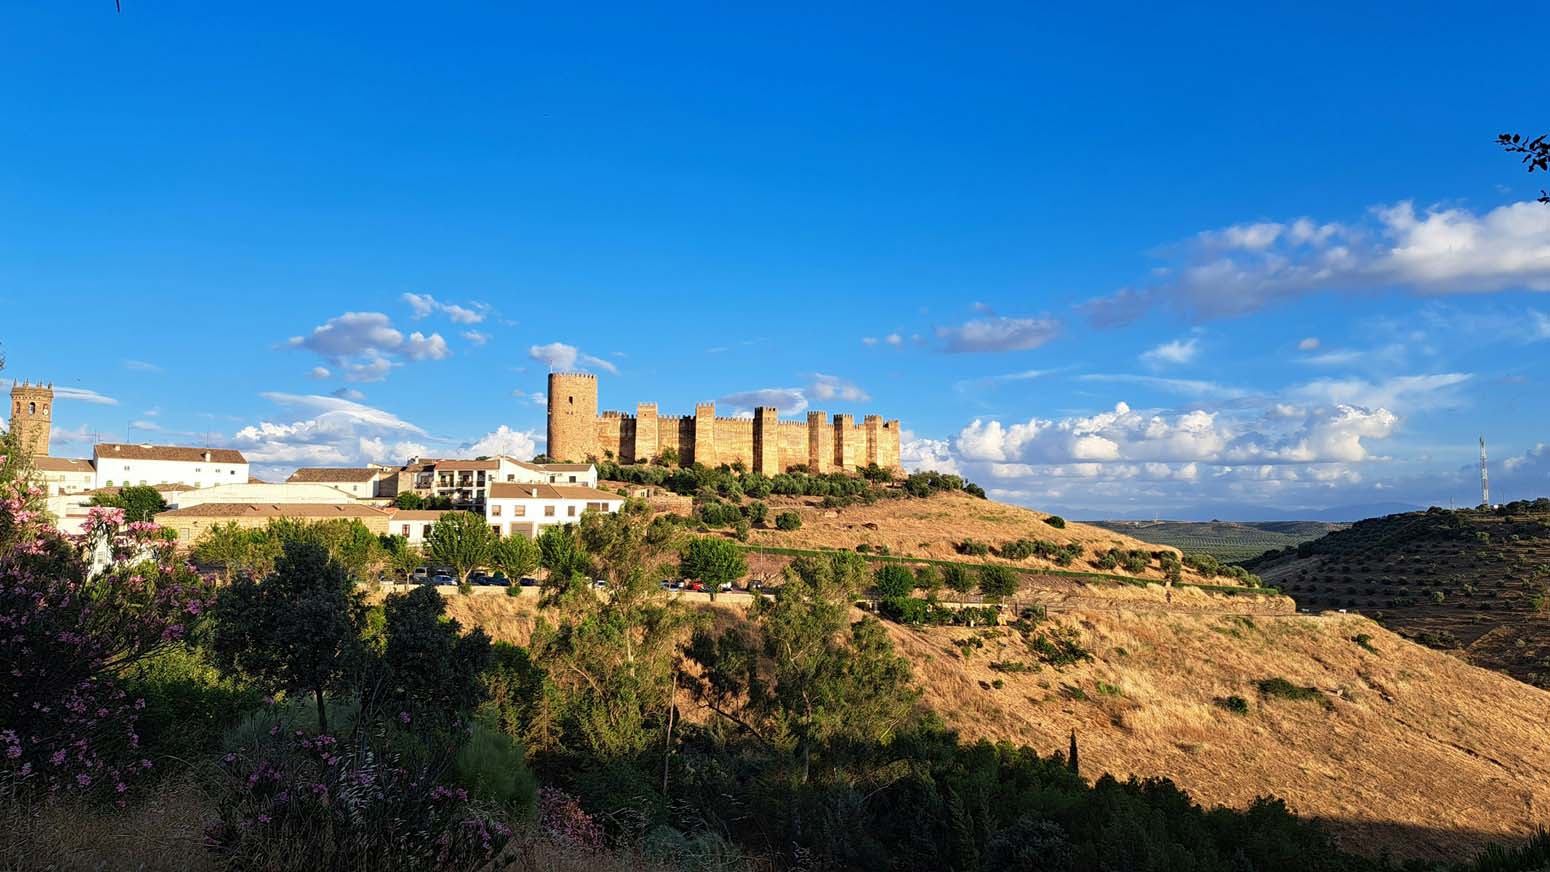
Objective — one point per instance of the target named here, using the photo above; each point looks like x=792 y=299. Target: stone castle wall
x=763 y=443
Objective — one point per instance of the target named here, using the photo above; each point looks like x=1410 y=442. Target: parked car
x=528 y=582
x=694 y=585
x=599 y=582
x=500 y=579
x=421 y=573
x=442 y=578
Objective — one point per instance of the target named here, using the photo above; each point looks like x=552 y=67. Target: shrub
x=1056 y=521
x=788 y=521
x=1364 y=641
x=491 y=767
x=1235 y=704
x=1278 y=687
x=972 y=548
x=958 y=579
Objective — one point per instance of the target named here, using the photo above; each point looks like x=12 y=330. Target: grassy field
x=1225 y=540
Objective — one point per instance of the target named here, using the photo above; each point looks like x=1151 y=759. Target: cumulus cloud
x=425 y=305
x=475 y=337
x=365 y=346
x=918 y=454
x=329 y=431
x=1177 y=352
x=993 y=334
x=521 y=444
x=1309 y=344
x=559 y=356
x=832 y=387
x=1247 y=267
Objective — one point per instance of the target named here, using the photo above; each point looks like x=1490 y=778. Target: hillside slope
x=1224 y=540
x=1472 y=582
x=931 y=527
x=1401 y=748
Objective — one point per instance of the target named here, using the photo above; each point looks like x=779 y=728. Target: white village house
x=525 y=509
x=121 y=464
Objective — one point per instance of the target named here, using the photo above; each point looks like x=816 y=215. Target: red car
x=694 y=585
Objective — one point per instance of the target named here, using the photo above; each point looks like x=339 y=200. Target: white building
x=511 y=470
x=413 y=524
x=362 y=483
x=290 y=493
x=525 y=509
x=122 y=465
x=63 y=475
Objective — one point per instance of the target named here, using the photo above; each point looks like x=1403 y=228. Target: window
x=426 y=533
x=32 y=408
x=548 y=511
x=510 y=477
x=404 y=531
x=519 y=511
x=496 y=529
x=573 y=479
x=495 y=510
x=570 y=511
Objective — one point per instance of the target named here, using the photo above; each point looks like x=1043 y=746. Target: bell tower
x=32 y=408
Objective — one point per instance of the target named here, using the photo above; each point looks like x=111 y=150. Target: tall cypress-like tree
x=1071 y=759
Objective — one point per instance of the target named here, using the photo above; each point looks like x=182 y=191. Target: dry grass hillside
x=930 y=527
x=1399 y=747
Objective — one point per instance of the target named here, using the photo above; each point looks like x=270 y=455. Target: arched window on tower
x=32 y=408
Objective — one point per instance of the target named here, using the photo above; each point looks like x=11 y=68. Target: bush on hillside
x=788 y=521
x=1056 y=521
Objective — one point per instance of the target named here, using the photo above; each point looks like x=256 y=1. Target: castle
x=31 y=416
x=763 y=443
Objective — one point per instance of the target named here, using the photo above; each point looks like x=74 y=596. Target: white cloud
x=832 y=387
x=1309 y=344
x=918 y=454
x=1184 y=386
x=425 y=305
x=1244 y=268
x=476 y=337
x=1407 y=392
x=995 y=334
x=787 y=401
x=329 y=431
x=559 y=356
x=1179 y=351
x=79 y=395
x=365 y=346
x=142 y=366
x=321 y=372
x=521 y=444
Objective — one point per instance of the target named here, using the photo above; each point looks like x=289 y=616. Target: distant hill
x=1247 y=513
x=1476 y=583
x=1224 y=540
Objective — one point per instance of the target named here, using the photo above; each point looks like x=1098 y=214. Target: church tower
x=31 y=416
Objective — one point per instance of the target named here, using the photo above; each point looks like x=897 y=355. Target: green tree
x=516 y=556
x=297 y=631
x=892 y=580
x=432 y=668
x=409 y=501
x=712 y=560
x=927 y=579
x=788 y=521
x=997 y=582
x=561 y=552
x=462 y=541
x=402 y=558
x=140 y=502
x=802 y=679
x=958 y=579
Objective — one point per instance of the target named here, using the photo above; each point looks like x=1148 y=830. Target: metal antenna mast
x=1485 y=480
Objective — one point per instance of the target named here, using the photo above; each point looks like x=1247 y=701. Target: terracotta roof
x=62 y=464
x=310 y=511
x=460 y=465
x=553 y=467
x=516 y=490
x=183 y=453
x=417 y=514
x=332 y=473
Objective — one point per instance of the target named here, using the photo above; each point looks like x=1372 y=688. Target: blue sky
x=1117 y=263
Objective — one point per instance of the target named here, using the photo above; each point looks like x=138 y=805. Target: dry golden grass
x=930 y=527
x=1413 y=738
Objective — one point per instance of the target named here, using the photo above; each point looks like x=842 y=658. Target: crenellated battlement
x=763 y=442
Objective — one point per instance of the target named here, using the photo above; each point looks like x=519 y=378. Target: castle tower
x=32 y=416
x=766 y=440
x=705 y=434
x=873 y=425
x=820 y=445
x=845 y=443
x=648 y=443
x=573 y=416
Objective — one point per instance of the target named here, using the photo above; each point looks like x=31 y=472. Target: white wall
x=284 y=492
x=502 y=512
x=121 y=471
